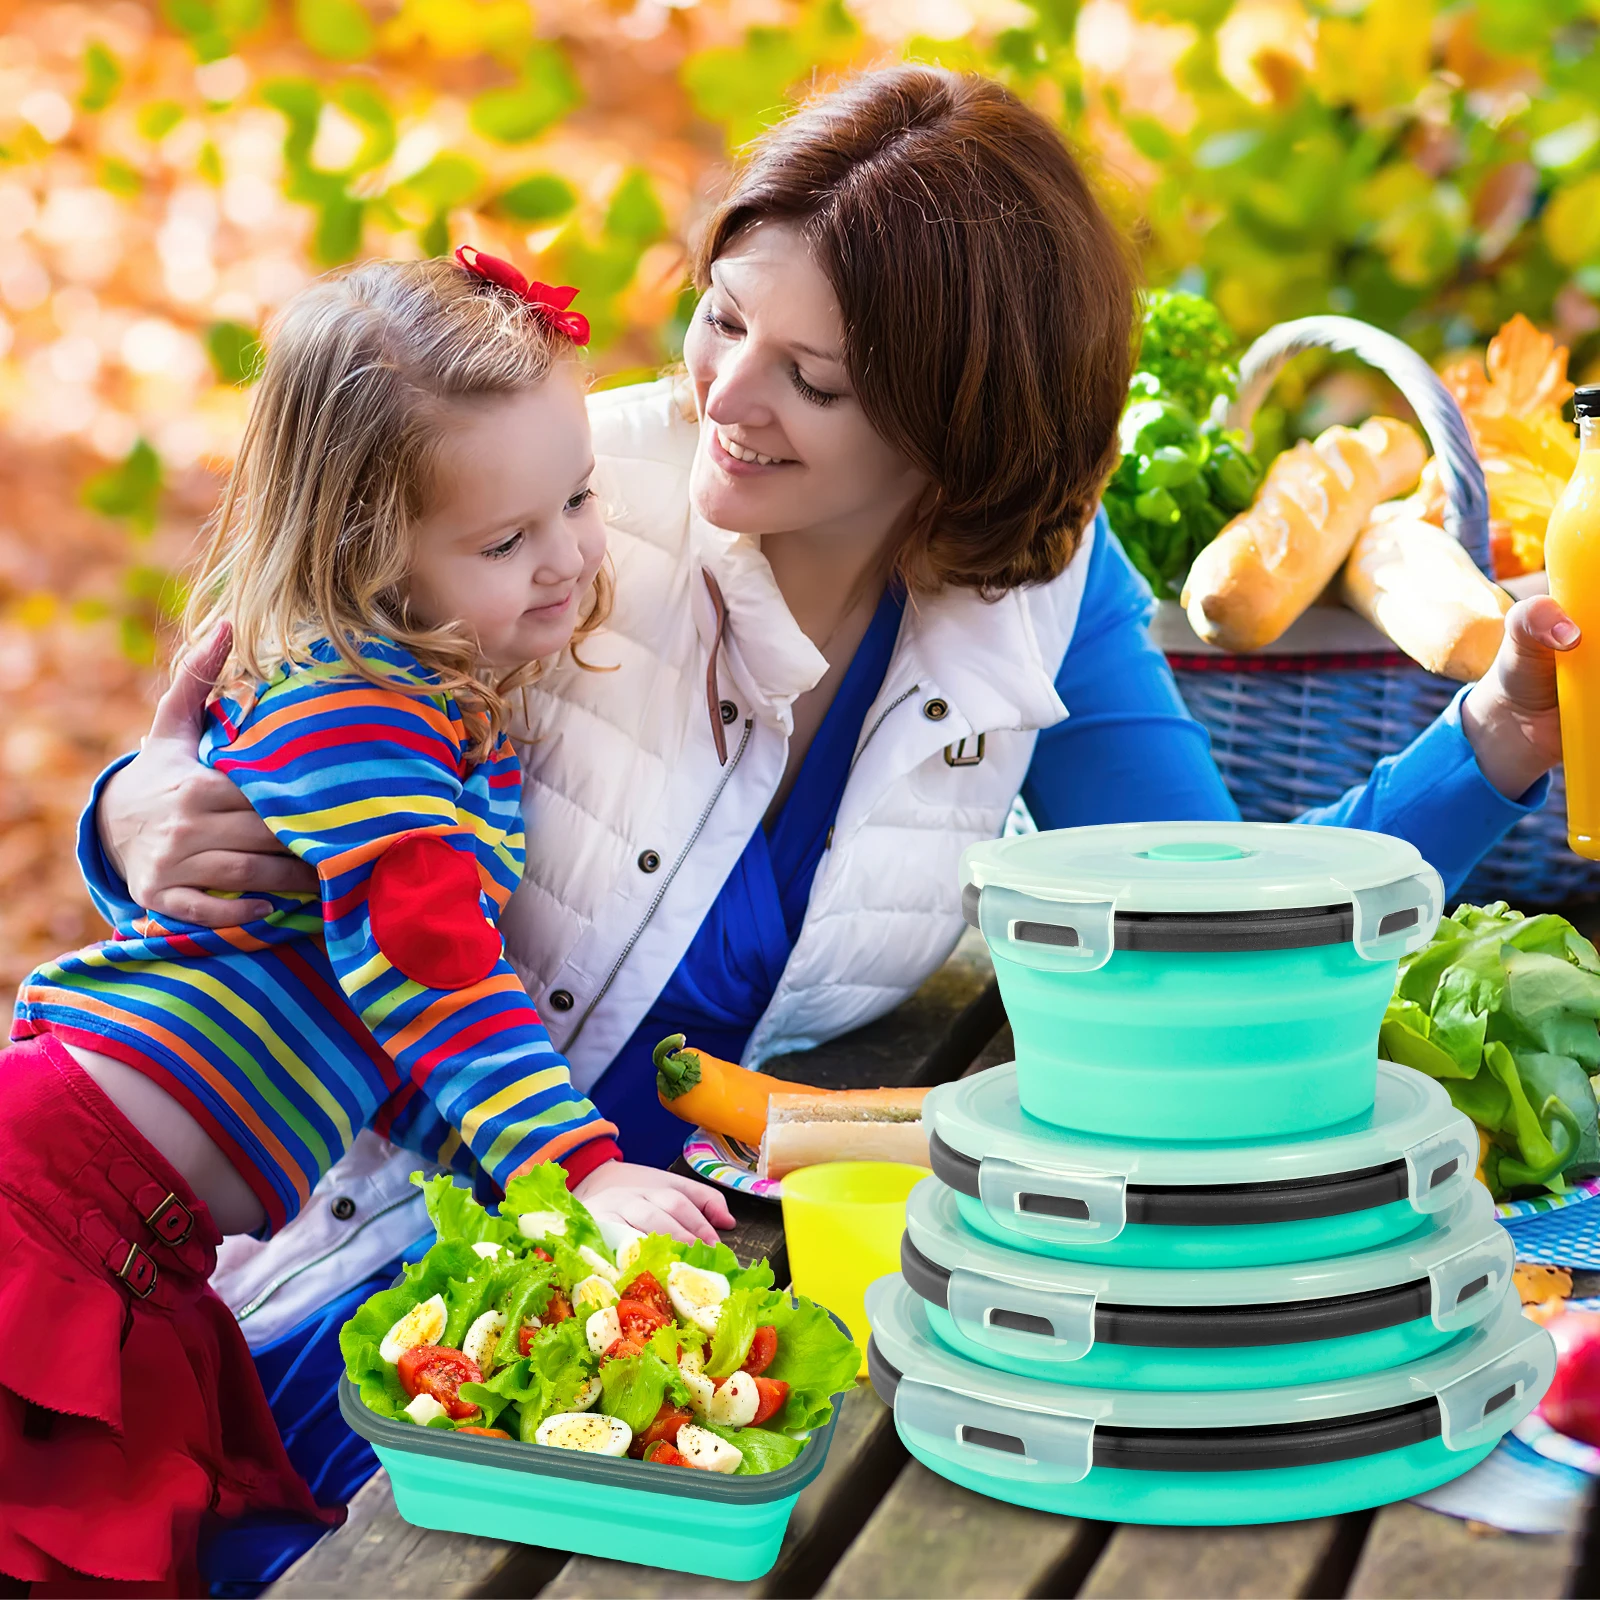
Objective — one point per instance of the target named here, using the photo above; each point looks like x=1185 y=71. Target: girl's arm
x=1129 y=750
x=362 y=784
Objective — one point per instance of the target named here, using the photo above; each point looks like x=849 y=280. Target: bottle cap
x=1586 y=401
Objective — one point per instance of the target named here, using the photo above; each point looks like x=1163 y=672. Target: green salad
x=526 y=1325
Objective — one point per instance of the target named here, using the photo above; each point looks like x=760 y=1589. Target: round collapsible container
x=1245 y=1328
x=1198 y=981
x=1231 y=1456
x=1033 y=1188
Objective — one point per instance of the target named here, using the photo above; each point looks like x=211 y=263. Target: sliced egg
x=701 y=1448
x=488 y=1250
x=597 y=1263
x=736 y=1401
x=424 y=1409
x=588 y=1396
x=586 y=1430
x=594 y=1291
x=696 y=1293
x=541 y=1225
x=602 y=1330
x=482 y=1337
x=702 y=1391
x=422 y=1324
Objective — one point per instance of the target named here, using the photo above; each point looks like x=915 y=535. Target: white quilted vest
x=633 y=823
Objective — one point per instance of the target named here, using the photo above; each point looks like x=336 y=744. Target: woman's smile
x=739 y=459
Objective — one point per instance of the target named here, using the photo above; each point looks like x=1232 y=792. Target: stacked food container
x=1198 y=1255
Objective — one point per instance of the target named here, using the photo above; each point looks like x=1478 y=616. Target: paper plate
x=729 y=1164
x=1584 y=1189
x=1538 y=1435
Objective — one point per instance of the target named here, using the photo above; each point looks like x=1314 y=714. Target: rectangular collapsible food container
x=1192 y=1329
x=1230 y=1457
x=672 y=1517
x=1198 y=981
x=1038 y=1189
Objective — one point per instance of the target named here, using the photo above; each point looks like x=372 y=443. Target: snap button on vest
x=728 y=711
x=936 y=710
x=648 y=861
x=561 y=1000
x=343 y=1208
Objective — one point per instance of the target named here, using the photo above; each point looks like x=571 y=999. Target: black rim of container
x=1287 y=1444
x=1219 y=932
x=1220 y=1205
x=1216 y=1327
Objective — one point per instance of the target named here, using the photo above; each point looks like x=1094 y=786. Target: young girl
x=409 y=532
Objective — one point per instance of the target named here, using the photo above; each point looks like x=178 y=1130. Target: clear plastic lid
x=1411 y=1120
x=1052 y=899
x=1466 y=1258
x=1484 y=1382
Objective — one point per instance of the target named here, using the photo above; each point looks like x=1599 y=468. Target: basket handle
x=1467 y=495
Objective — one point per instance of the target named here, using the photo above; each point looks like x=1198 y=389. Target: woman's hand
x=655 y=1202
x=1509 y=715
x=175 y=829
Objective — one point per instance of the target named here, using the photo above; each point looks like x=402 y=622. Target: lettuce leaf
x=634 y=1388
x=565 y=1361
x=1502 y=1009
x=525 y=1295
x=456 y=1215
x=814 y=1359
x=742 y=1312
x=763 y=1449
x=544 y=1188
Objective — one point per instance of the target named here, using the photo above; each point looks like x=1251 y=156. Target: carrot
x=719 y=1095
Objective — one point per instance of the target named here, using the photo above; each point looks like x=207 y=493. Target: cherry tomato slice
x=663 y=1454
x=762 y=1349
x=639 y=1319
x=526 y=1334
x=621 y=1349
x=558 y=1310
x=439 y=1371
x=647 y=1287
x=539 y=1254
x=772 y=1392
x=487 y=1433
x=668 y=1420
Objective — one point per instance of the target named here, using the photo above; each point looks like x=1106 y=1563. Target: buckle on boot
x=172 y=1221
x=138 y=1272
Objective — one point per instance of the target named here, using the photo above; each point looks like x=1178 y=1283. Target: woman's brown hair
x=988 y=305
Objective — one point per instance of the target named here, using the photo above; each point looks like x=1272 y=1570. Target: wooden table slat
x=1411 y=1551
x=930 y=1539
x=1283 y=1558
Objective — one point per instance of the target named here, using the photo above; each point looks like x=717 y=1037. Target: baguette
x=1256 y=577
x=806 y=1130
x=1415 y=583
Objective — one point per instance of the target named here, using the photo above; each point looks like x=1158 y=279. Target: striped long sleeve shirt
x=384 y=998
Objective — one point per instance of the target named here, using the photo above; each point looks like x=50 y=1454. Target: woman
x=862 y=603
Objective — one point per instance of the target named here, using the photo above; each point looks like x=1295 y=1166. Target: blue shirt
x=1127 y=752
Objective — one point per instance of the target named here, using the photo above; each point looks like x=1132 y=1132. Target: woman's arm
x=1129 y=751
x=161 y=829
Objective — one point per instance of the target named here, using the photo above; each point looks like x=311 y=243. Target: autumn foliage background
x=170 y=173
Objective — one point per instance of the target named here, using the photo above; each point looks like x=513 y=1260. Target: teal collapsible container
x=1233 y=1456
x=701 y=1522
x=1184 y=1328
x=1034 y=1188
x=1198 y=981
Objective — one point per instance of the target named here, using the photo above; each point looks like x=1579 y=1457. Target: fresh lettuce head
x=544 y=1188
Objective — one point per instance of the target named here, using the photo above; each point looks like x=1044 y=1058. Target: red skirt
x=130 y=1411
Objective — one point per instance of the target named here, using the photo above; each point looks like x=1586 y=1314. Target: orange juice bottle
x=1572 y=560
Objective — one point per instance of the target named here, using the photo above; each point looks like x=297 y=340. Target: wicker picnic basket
x=1297 y=724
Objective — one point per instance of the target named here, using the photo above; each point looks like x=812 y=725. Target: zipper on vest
x=660 y=894
x=899 y=699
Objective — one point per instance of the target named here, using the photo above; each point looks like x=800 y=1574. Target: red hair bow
x=551 y=304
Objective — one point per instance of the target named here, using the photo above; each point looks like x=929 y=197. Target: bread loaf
x=805 y=1130
x=1272 y=561
x=1416 y=584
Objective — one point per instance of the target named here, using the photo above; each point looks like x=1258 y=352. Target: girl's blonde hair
x=313 y=538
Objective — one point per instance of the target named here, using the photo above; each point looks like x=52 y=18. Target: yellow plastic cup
x=842 y=1222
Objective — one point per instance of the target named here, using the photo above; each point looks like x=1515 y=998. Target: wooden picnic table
x=876 y=1523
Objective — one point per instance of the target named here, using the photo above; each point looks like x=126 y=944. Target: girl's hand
x=1509 y=715
x=175 y=829
x=655 y=1202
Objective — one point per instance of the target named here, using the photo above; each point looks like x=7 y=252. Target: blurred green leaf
x=448 y=181
x=235 y=352
x=102 y=77
x=209 y=162
x=156 y=120
x=635 y=213
x=131 y=490
x=338 y=232
x=118 y=177
x=369 y=108
x=341 y=30
x=544 y=93
x=541 y=198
